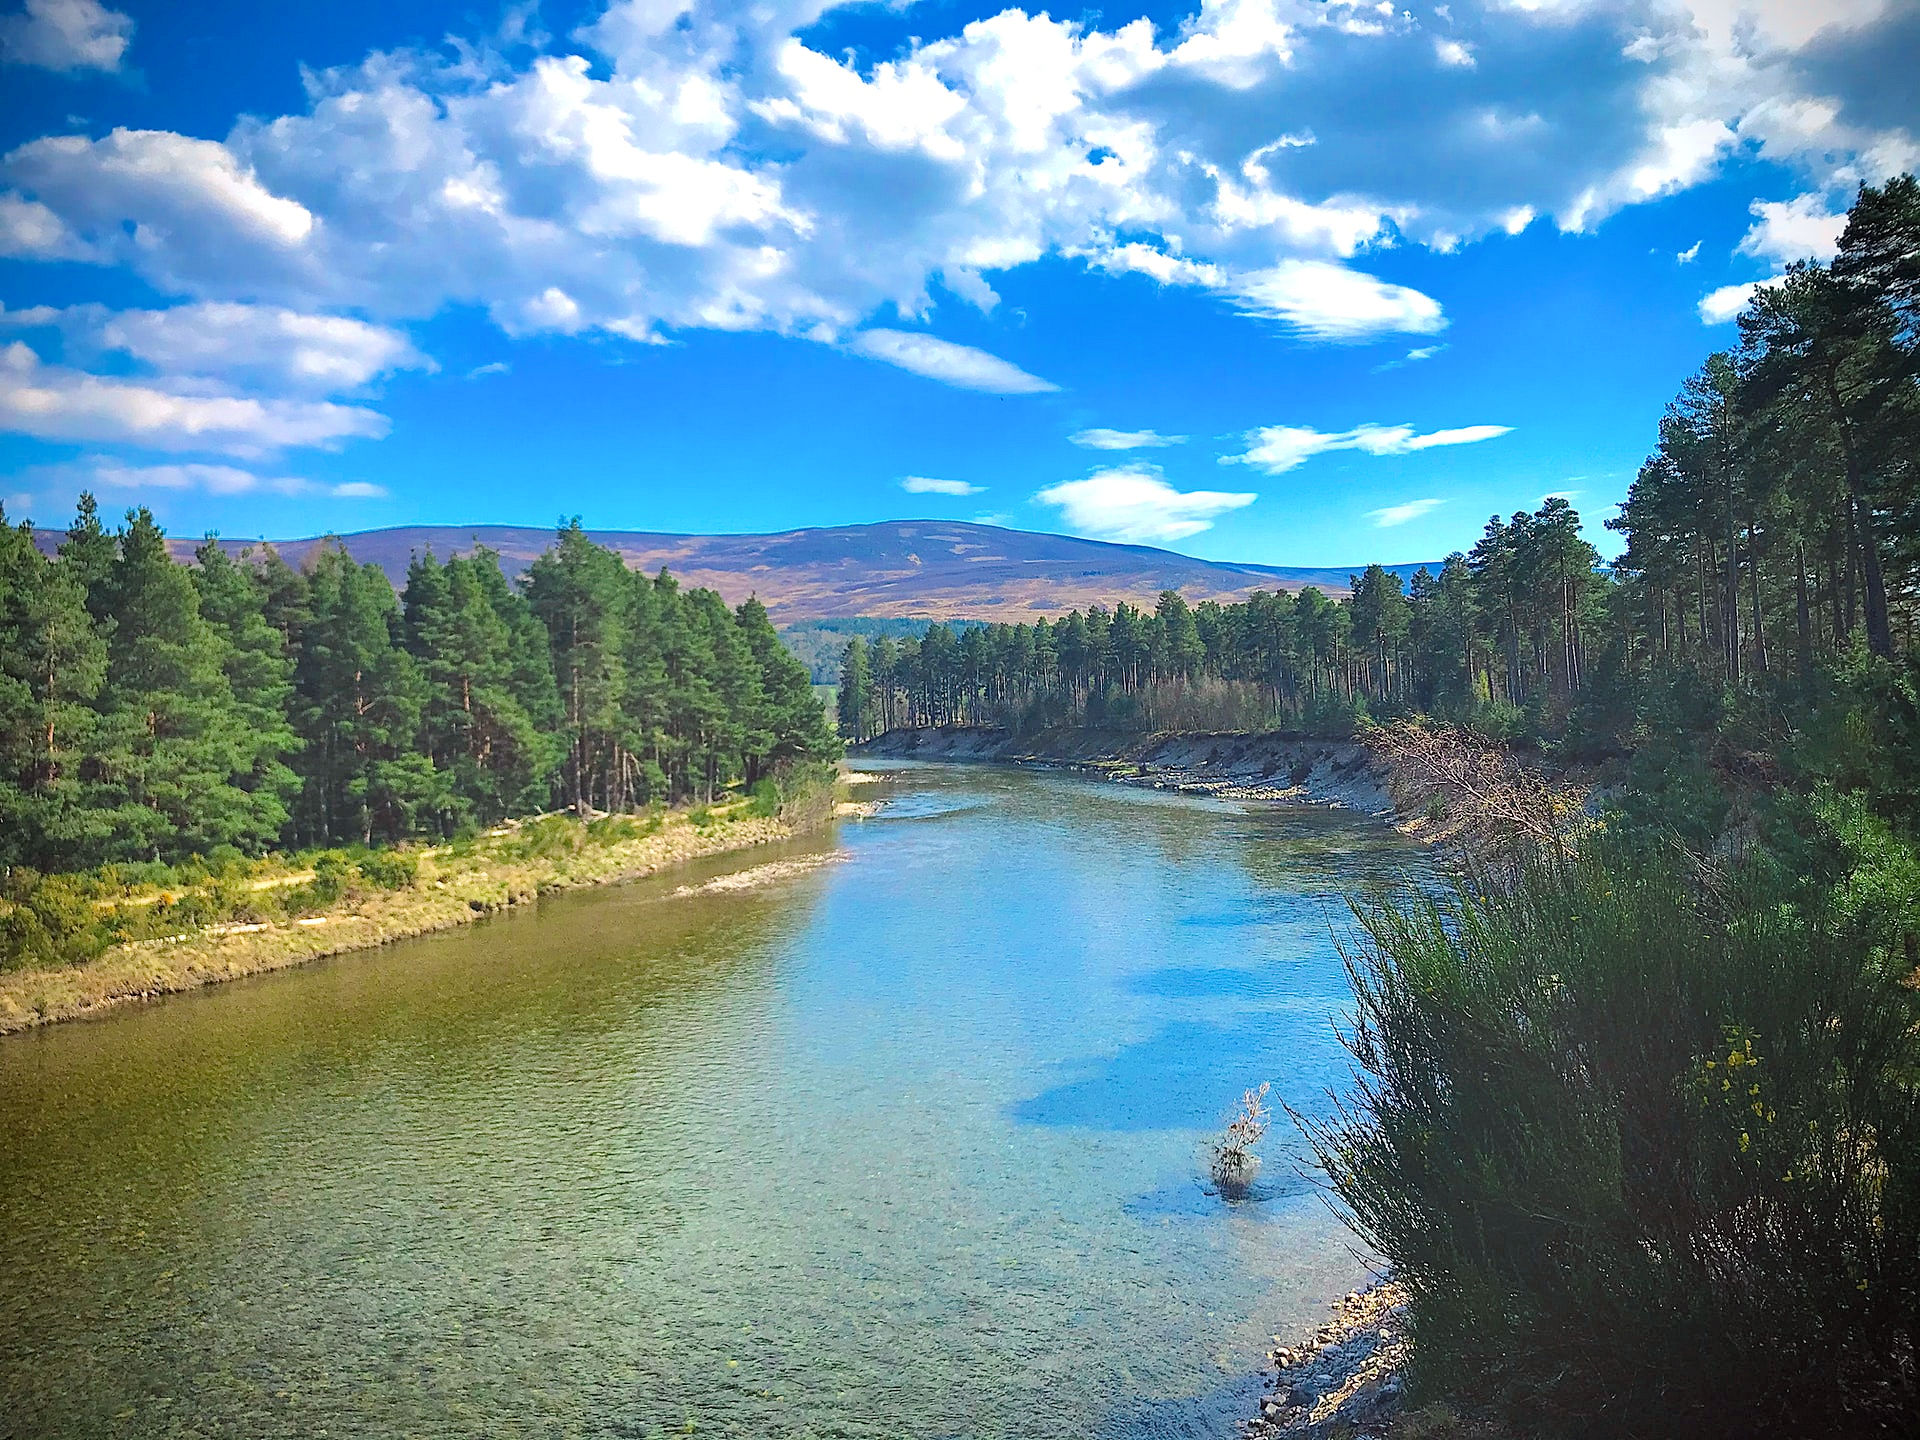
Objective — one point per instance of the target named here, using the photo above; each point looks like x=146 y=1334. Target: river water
x=908 y=1141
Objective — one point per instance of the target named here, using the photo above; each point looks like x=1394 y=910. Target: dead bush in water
x=1235 y=1157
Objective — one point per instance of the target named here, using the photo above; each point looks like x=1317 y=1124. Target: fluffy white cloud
x=1277 y=449
x=1388 y=516
x=942 y=360
x=1783 y=231
x=1103 y=439
x=1798 y=229
x=927 y=485
x=66 y=35
x=1136 y=505
x=315 y=353
x=700 y=165
x=52 y=402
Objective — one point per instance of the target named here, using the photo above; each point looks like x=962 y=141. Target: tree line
x=1488 y=634
x=1774 y=531
x=151 y=711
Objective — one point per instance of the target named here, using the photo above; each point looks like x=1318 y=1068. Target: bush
x=547 y=838
x=50 y=921
x=763 y=800
x=1644 y=1147
x=389 y=869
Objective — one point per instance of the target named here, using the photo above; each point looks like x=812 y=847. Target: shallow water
x=907 y=1145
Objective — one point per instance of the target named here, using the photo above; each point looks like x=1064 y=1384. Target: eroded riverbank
x=1287 y=769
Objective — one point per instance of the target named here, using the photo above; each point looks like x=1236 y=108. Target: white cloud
x=30 y=231
x=321 y=354
x=103 y=472
x=1102 y=439
x=699 y=166
x=492 y=367
x=66 y=35
x=1690 y=254
x=1136 y=505
x=1276 y=449
x=927 y=485
x=1723 y=304
x=1388 y=516
x=1798 y=229
x=51 y=402
x=1326 y=301
x=951 y=364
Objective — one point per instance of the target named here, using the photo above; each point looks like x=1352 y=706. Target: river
x=907 y=1142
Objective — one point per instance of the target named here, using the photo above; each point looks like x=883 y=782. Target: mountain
x=936 y=569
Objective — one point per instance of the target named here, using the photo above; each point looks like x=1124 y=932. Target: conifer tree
x=52 y=663
x=358 y=700
x=174 y=753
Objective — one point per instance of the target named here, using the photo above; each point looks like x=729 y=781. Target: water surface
x=910 y=1144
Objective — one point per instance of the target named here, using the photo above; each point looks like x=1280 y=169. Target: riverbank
x=455 y=884
x=1443 y=788
x=1287 y=769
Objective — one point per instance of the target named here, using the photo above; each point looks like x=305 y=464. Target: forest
x=151 y=711
x=1773 y=534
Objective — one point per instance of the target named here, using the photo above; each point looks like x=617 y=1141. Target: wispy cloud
x=1277 y=449
x=1690 y=254
x=951 y=364
x=1325 y=301
x=492 y=367
x=1102 y=439
x=1387 y=516
x=927 y=485
x=1412 y=357
x=104 y=472
x=1135 y=504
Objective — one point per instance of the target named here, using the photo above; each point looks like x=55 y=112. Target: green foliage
x=48 y=920
x=1644 y=1141
x=389 y=869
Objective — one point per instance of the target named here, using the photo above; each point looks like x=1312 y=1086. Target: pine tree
x=358 y=700
x=258 y=671
x=52 y=663
x=169 y=769
x=579 y=592
x=854 y=701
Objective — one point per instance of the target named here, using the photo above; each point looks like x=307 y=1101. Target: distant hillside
x=937 y=569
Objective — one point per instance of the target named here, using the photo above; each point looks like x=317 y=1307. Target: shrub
x=1236 y=1158
x=701 y=816
x=330 y=872
x=548 y=837
x=1643 y=1144
x=389 y=869
x=763 y=801
x=50 y=921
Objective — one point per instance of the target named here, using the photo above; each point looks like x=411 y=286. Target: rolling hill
x=933 y=569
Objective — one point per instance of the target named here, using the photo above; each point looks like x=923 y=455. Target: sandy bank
x=453 y=888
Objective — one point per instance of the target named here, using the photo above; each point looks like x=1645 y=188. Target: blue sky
x=1288 y=281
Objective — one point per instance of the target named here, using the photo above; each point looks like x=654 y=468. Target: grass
x=203 y=928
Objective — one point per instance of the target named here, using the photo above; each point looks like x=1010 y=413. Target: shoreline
x=447 y=893
x=1463 y=798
